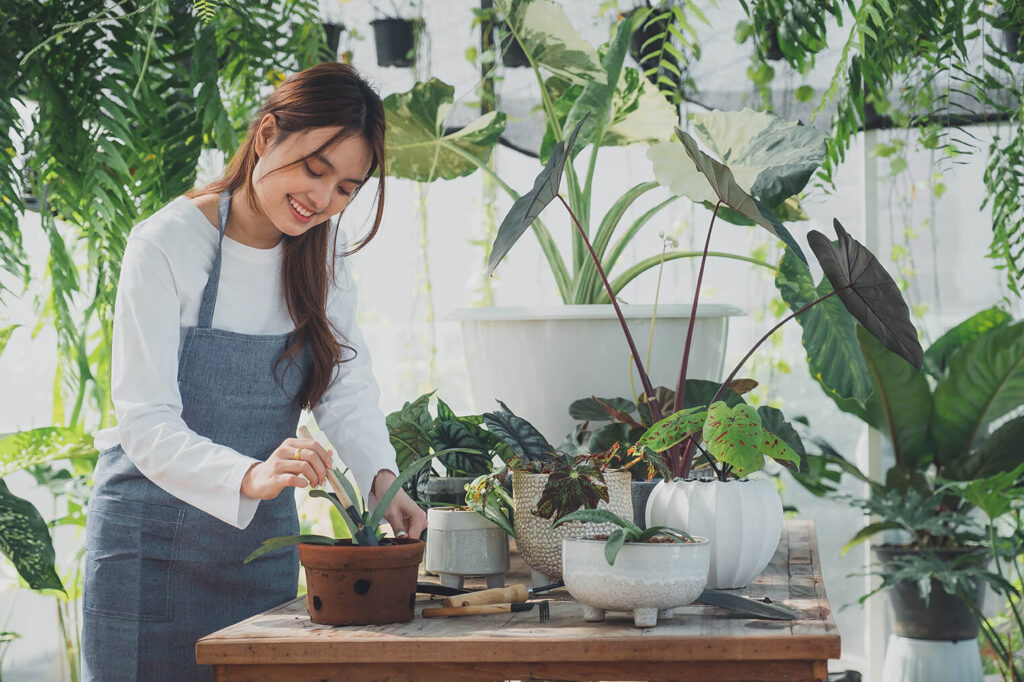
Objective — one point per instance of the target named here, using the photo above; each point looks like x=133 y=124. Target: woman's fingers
x=313 y=454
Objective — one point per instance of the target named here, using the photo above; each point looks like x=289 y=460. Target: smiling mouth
x=300 y=209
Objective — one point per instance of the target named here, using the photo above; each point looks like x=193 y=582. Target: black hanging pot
x=395 y=40
x=512 y=53
x=946 y=618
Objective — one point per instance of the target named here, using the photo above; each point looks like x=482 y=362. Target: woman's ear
x=265 y=133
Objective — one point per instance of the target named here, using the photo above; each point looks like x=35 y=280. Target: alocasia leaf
x=868 y=292
x=734 y=436
x=527 y=207
x=518 y=434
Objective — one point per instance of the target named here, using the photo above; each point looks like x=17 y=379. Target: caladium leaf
x=417 y=146
x=25 y=541
x=778 y=449
x=518 y=434
x=937 y=356
x=549 y=40
x=672 y=430
x=734 y=436
x=868 y=292
x=699 y=393
x=774 y=422
x=527 y=207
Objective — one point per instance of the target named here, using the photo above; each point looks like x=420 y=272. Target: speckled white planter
x=539 y=544
x=647 y=580
x=462 y=543
x=741 y=518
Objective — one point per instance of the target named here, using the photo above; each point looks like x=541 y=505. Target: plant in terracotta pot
x=351 y=582
x=732 y=439
x=645 y=572
x=547 y=484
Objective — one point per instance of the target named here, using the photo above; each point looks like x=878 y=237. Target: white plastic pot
x=742 y=519
x=538 y=360
x=462 y=543
x=647 y=579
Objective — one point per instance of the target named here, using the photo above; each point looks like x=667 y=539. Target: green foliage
x=627 y=531
x=518 y=434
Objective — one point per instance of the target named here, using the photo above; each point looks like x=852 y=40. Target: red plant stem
x=644 y=379
x=764 y=338
x=677 y=455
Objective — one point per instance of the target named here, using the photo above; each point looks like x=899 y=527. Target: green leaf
x=936 y=358
x=495 y=505
x=287 y=541
x=834 y=356
x=598 y=516
x=613 y=545
x=518 y=434
x=591 y=409
x=409 y=430
x=674 y=533
x=672 y=429
x=998 y=453
x=734 y=436
x=550 y=41
x=901 y=404
x=345 y=516
x=994 y=495
x=774 y=422
x=46 y=444
x=417 y=146
x=984 y=381
x=639 y=113
x=527 y=207
x=868 y=292
x=868 y=531
x=25 y=541
x=452 y=433
x=385 y=499
x=5 y=336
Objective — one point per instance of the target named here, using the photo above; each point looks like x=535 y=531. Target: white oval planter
x=741 y=518
x=462 y=543
x=647 y=580
x=538 y=360
x=541 y=545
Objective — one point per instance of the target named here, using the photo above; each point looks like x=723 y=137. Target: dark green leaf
x=518 y=434
x=597 y=516
x=613 y=545
x=936 y=358
x=591 y=409
x=773 y=421
x=288 y=541
x=25 y=541
x=868 y=292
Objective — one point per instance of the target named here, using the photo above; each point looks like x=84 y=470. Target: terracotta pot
x=354 y=585
x=742 y=519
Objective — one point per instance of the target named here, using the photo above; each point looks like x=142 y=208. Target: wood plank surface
x=708 y=643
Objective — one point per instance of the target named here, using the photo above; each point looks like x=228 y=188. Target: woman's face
x=297 y=197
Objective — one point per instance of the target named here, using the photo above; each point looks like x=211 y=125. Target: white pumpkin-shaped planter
x=742 y=519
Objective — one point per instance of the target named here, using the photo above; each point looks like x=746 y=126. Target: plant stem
x=644 y=379
x=680 y=460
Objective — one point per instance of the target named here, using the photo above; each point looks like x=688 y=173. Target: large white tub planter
x=647 y=580
x=742 y=519
x=538 y=360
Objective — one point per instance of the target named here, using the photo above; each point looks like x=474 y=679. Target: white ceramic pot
x=541 y=545
x=742 y=519
x=462 y=543
x=575 y=351
x=647 y=580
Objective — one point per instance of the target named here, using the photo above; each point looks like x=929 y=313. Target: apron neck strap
x=209 y=302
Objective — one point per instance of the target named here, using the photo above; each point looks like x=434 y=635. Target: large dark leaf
x=452 y=433
x=591 y=409
x=1000 y=452
x=527 y=207
x=834 y=357
x=25 y=541
x=901 y=404
x=868 y=292
x=409 y=430
x=518 y=434
x=937 y=356
x=773 y=421
x=983 y=382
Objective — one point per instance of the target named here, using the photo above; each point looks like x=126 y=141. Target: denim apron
x=159 y=573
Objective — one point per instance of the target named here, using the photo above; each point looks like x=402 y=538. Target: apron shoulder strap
x=209 y=302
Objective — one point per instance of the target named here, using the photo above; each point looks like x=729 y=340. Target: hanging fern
x=206 y=10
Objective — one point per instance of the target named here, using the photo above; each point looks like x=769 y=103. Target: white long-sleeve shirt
x=166 y=264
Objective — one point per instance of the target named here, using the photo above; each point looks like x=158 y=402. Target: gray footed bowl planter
x=462 y=543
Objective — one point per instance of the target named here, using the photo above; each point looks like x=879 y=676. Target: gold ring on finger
x=298 y=453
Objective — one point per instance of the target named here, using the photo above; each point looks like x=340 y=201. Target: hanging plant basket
x=395 y=40
x=512 y=53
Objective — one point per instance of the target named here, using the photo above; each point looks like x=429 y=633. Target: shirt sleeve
x=349 y=412
x=144 y=387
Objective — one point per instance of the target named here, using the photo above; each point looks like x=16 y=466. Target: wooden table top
x=696 y=634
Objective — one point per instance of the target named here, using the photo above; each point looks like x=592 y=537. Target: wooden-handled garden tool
x=484 y=609
x=500 y=595
x=363 y=535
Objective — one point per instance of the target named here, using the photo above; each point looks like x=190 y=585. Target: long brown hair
x=325 y=95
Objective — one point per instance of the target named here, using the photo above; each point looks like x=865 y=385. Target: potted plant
x=953 y=420
x=733 y=439
x=396 y=38
x=645 y=572
x=546 y=485
x=357 y=584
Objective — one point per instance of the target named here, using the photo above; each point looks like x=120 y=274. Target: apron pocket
x=130 y=549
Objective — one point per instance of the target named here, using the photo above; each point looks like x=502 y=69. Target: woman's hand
x=296 y=463
x=404 y=515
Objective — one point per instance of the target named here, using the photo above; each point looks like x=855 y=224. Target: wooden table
x=698 y=643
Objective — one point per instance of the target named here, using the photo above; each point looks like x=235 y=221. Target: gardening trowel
x=363 y=535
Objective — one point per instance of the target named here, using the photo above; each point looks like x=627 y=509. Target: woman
x=234 y=311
